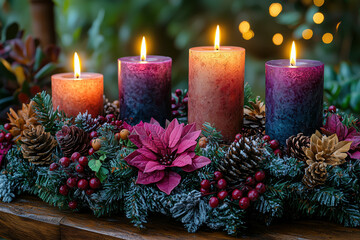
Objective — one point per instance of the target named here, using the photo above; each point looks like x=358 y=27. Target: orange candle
x=216 y=87
x=78 y=92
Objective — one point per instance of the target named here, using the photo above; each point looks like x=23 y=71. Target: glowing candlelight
x=143 y=50
x=217 y=38
x=293 y=55
x=77 y=68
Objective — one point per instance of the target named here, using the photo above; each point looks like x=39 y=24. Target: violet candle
x=77 y=92
x=294 y=97
x=216 y=88
x=144 y=87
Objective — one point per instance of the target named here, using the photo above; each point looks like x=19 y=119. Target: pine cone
x=326 y=149
x=73 y=139
x=86 y=122
x=295 y=145
x=254 y=116
x=22 y=120
x=315 y=174
x=111 y=107
x=37 y=145
x=242 y=159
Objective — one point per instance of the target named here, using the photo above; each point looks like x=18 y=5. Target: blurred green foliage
x=102 y=31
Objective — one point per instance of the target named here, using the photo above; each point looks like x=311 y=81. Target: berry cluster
x=274 y=145
x=179 y=103
x=244 y=193
x=123 y=134
x=5 y=141
x=80 y=176
x=95 y=143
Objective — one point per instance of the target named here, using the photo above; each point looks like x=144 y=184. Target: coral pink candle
x=77 y=92
x=216 y=87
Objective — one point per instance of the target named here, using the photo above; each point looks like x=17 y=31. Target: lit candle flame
x=293 y=55
x=217 y=38
x=143 y=50
x=76 y=65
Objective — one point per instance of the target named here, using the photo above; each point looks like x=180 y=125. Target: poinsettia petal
x=169 y=182
x=169 y=129
x=157 y=132
x=175 y=136
x=127 y=126
x=354 y=155
x=189 y=128
x=153 y=121
x=148 y=143
x=197 y=162
x=132 y=155
x=135 y=139
x=185 y=144
x=139 y=162
x=147 y=178
x=152 y=166
x=147 y=153
x=182 y=161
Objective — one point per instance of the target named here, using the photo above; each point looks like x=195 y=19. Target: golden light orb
x=275 y=9
x=244 y=26
x=278 y=39
x=307 y=34
x=327 y=38
x=318 y=18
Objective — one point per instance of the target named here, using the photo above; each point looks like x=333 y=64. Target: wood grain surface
x=30 y=218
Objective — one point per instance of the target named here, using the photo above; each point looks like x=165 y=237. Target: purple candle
x=144 y=87
x=294 y=97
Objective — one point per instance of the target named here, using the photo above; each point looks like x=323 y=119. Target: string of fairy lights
x=275 y=9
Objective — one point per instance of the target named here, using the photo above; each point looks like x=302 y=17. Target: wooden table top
x=30 y=218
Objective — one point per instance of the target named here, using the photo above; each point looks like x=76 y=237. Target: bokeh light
x=327 y=38
x=275 y=9
x=307 y=34
x=278 y=39
x=248 y=35
x=244 y=26
x=318 y=3
x=337 y=26
x=318 y=18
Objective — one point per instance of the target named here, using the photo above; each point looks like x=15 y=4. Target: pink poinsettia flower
x=334 y=125
x=160 y=151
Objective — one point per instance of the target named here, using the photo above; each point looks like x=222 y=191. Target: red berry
x=266 y=138
x=236 y=194
x=91 y=151
x=205 y=184
x=222 y=194
x=178 y=92
x=221 y=184
x=173 y=100
x=82 y=184
x=236 y=140
x=89 y=191
x=204 y=190
x=238 y=136
x=8 y=137
x=110 y=117
x=260 y=176
x=117 y=137
x=250 y=181
x=93 y=134
x=214 y=202
x=53 y=166
x=64 y=161
x=83 y=161
x=118 y=123
x=174 y=107
x=260 y=187
x=244 y=203
x=95 y=183
x=79 y=168
x=253 y=195
x=7 y=126
x=75 y=156
x=71 y=182
x=274 y=144
x=332 y=109
x=185 y=100
x=73 y=204
x=278 y=152
x=2 y=137
x=100 y=119
x=64 y=190
x=218 y=175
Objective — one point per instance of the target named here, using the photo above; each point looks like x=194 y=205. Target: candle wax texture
x=294 y=98
x=145 y=88
x=75 y=95
x=216 y=88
